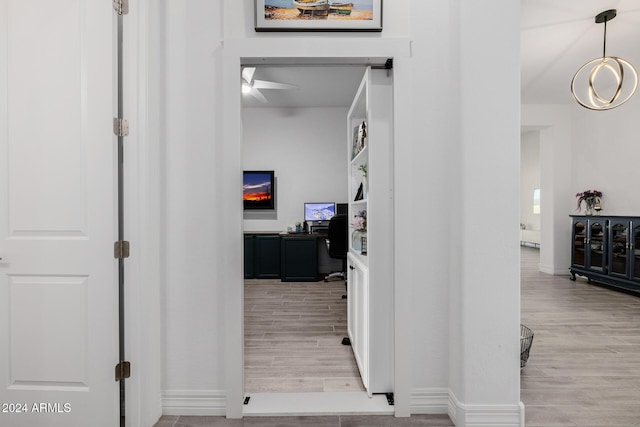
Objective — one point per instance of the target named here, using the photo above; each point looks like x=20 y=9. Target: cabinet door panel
x=579 y=243
x=358 y=321
x=596 y=245
x=249 y=257
x=299 y=259
x=619 y=243
x=635 y=251
x=267 y=257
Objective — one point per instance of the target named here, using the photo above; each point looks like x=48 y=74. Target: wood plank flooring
x=584 y=367
x=293 y=338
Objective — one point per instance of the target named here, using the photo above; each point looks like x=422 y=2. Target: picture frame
x=318 y=15
x=258 y=190
x=359 y=139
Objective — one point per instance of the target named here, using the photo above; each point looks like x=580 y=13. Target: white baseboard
x=194 y=402
x=552 y=269
x=429 y=401
x=464 y=415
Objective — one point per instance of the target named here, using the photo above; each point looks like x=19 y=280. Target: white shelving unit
x=370 y=273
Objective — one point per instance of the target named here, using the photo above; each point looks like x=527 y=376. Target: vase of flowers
x=592 y=201
x=359 y=226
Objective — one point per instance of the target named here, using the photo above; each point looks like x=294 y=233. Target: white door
x=58 y=287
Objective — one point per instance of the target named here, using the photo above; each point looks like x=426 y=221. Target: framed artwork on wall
x=318 y=15
x=258 y=190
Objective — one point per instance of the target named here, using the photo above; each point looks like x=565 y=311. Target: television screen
x=319 y=211
x=258 y=190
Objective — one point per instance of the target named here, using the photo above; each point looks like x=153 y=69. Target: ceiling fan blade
x=247 y=74
x=258 y=95
x=263 y=84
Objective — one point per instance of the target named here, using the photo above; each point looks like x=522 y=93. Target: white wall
x=307 y=150
x=529 y=178
x=488 y=303
x=462 y=350
x=605 y=156
x=186 y=89
x=426 y=250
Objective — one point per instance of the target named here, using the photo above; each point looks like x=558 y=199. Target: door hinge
x=121 y=6
x=123 y=370
x=121 y=249
x=120 y=127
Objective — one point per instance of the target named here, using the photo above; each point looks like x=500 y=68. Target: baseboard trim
x=552 y=269
x=194 y=402
x=464 y=415
x=429 y=401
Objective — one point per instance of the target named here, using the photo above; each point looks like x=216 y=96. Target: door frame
x=143 y=215
x=339 y=49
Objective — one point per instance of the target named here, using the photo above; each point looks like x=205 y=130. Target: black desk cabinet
x=299 y=255
x=261 y=256
x=606 y=249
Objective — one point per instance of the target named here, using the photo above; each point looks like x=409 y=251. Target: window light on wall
x=536 y=201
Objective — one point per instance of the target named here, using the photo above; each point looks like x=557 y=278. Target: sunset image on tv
x=257 y=191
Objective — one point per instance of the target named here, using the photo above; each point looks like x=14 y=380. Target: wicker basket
x=526 y=339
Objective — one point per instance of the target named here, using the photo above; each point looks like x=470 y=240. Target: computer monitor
x=319 y=211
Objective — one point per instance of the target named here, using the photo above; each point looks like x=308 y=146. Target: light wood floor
x=293 y=338
x=584 y=368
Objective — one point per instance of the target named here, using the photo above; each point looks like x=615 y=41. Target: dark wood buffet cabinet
x=606 y=249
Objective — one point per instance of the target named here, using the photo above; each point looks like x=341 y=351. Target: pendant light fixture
x=611 y=81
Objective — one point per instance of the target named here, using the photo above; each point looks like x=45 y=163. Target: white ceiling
x=318 y=85
x=557 y=37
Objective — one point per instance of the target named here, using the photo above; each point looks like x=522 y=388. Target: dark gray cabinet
x=299 y=255
x=606 y=250
x=261 y=256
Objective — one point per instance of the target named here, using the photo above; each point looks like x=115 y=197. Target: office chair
x=337 y=244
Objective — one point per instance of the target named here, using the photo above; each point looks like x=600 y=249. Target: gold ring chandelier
x=604 y=93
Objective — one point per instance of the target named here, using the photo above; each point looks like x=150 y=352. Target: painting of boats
x=340 y=8
x=318 y=15
x=312 y=7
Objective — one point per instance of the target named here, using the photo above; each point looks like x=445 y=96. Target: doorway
x=320 y=51
x=293 y=331
x=530 y=191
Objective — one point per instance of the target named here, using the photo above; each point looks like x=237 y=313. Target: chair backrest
x=338 y=236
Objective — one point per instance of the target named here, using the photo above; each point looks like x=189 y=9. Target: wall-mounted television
x=258 y=190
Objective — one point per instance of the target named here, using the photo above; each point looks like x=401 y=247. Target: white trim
x=429 y=401
x=194 y=402
x=142 y=320
x=464 y=415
